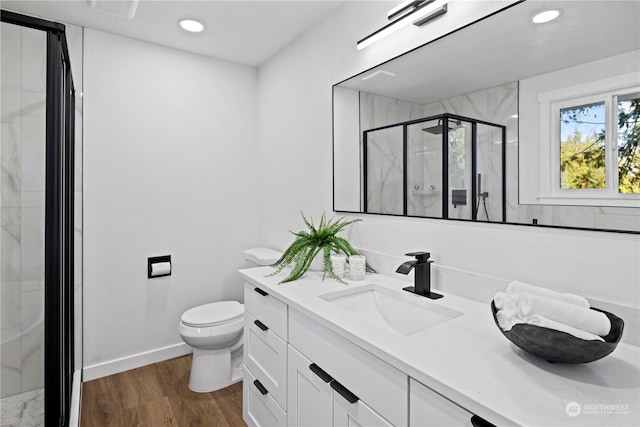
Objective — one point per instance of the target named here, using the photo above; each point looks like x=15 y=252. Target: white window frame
x=605 y=90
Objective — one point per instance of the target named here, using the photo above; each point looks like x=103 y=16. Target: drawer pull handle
x=260 y=387
x=476 y=421
x=342 y=391
x=321 y=373
x=261 y=325
x=261 y=292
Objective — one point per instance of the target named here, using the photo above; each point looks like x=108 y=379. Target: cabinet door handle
x=261 y=292
x=321 y=373
x=342 y=391
x=476 y=421
x=260 y=325
x=260 y=387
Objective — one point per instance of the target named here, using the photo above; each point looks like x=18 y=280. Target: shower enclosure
x=444 y=166
x=37 y=206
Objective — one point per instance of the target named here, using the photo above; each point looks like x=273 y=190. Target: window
x=593 y=144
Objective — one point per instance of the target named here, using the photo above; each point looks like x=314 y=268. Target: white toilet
x=215 y=331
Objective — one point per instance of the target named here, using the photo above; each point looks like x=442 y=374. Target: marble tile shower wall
x=22 y=181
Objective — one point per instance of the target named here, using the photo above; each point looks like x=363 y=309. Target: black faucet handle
x=420 y=256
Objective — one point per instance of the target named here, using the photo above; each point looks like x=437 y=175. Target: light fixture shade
x=406 y=8
x=433 y=14
x=191 y=25
x=426 y=11
x=122 y=8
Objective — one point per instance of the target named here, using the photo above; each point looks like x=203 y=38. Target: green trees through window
x=583 y=146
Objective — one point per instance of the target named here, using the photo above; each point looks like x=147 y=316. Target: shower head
x=437 y=129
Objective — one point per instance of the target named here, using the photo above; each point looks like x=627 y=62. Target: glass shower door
x=489 y=173
x=424 y=169
x=22 y=204
x=460 y=168
x=37 y=205
x=384 y=170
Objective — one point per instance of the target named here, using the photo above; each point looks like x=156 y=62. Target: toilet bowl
x=215 y=332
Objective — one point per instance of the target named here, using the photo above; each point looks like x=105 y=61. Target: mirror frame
x=362 y=210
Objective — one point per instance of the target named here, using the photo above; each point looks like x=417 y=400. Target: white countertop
x=470 y=362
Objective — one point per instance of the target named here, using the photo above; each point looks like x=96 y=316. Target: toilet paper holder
x=157 y=266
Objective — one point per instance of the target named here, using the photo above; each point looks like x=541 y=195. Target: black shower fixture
x=437 y=129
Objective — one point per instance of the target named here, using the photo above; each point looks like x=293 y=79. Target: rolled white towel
x=578 y=317
x=510 y=307
x=515 y=288
x=506 y=321
x=538 y=320
x=499 y=299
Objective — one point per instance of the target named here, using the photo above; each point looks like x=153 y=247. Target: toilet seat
x=213 y=314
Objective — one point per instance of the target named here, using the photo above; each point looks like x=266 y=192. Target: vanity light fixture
x=191 y=25
x=416 y=12
x=546 y=16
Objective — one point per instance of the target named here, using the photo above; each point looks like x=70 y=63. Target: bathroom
x=202 y=157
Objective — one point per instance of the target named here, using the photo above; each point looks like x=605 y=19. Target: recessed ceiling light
x=546 y=16
x=191 y=25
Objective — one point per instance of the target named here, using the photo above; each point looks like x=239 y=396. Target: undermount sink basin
x=397 y=311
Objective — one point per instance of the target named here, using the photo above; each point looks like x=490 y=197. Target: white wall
x=169 y=168
x=295 y=150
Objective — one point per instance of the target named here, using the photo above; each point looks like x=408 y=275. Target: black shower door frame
x=445 y=117
x=59 y=221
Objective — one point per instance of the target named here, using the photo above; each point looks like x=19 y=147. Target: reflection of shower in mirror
x=482 y=195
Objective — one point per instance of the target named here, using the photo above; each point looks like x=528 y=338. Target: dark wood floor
x=158 y=395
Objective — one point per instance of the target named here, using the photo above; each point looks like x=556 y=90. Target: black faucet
x=422 y=264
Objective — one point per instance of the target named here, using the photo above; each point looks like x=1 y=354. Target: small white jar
x=339 y=264
x=357 y=268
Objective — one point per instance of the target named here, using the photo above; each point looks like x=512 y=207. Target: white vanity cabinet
x=365 y=389
x=298 y=371
x=316 y=399
x=265 y=359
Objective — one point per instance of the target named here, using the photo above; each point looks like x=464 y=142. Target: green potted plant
x=313 y=241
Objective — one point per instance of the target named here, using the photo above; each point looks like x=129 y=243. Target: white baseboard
x=74 y=411
x=134 y=361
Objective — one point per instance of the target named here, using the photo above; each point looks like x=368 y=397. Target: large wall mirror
x=504 y=120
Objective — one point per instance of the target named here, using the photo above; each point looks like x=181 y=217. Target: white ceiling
x=244 y=32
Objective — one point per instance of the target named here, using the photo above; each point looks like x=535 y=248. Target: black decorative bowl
x=561 y=347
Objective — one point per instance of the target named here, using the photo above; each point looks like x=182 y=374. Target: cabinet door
x=356 y=414
x=427 y=408
x=309 y=394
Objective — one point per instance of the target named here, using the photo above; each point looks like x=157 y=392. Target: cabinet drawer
x=260 y=410
x=428 y=408
x=377 y=383
x=265 y=354
x=266 y=308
